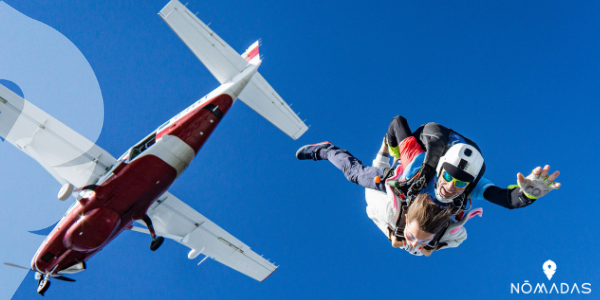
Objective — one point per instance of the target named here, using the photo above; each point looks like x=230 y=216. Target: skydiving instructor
x=437 y=161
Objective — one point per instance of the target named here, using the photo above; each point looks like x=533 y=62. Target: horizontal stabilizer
x=225 y=63
x=218 y=57
x=263 y=99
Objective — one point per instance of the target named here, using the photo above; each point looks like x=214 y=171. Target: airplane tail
x=225 y=63
x=251 y=55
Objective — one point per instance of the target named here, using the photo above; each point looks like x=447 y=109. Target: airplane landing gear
x=156 y=241
x=43 y=284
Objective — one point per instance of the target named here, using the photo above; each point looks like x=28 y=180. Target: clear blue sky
x=521 y=78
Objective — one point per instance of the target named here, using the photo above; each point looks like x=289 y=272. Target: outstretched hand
x=538 y=183
x=539 y=172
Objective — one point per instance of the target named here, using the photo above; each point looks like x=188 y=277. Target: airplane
x=110 y=194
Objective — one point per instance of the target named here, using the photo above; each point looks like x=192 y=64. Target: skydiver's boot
x=156 y=241
x=312 y=151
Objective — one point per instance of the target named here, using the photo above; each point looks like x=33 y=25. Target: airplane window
x=142 y=146
x=134 y=152
x=163 y=126
x=150 y=143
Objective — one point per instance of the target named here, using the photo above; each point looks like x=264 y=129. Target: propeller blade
x=17 y=266
x=63 y=278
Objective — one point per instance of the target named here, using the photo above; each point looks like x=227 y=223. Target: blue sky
x=521 y=78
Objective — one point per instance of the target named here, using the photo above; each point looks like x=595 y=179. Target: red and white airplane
x=113 y=193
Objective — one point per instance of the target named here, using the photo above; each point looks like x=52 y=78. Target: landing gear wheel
x=65 y=192
x=156 y=243
x=156 y=240
x=43 y=286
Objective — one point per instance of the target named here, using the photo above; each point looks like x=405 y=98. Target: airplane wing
x=224 y=63
x=64 y=153
x=174 y=219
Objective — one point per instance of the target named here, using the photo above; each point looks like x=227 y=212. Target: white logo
x=549 y=268
x=559 y=288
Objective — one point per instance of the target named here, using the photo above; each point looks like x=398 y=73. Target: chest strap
x=434 y=242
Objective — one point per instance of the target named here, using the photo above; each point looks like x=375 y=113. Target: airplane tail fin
x=225 y=63
x=251 y=55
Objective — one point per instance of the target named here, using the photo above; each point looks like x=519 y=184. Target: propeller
x=58 y=277
x=63 y=278
x=17 y=266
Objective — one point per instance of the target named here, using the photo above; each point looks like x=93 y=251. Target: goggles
x=459 y=184
x=410 y=237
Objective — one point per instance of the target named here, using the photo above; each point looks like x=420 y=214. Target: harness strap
x=436 y=238
x=387 y=173
x=401 y=222
x=411 y=188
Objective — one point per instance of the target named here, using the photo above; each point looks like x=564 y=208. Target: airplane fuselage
x=128 y=189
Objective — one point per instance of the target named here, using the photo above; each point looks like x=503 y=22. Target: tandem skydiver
x=450 y=171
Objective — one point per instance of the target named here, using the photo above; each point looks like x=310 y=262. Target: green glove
x=394 y=151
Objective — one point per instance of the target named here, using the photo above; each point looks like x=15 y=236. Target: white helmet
x=461 y=161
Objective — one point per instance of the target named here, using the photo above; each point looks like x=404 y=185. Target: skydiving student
x=424 y=219
x=450 y=171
